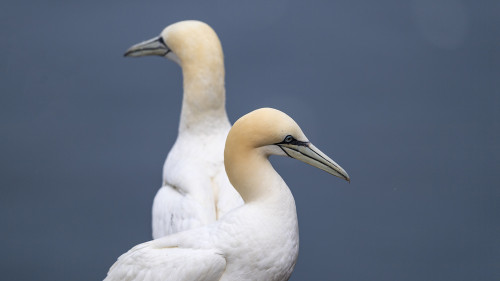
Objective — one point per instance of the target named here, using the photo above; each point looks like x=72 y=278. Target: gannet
x=195 y=189
x=256 y=241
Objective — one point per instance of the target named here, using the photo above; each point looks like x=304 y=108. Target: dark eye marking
x=162 y=41
x=289 y=139
x=167 y=49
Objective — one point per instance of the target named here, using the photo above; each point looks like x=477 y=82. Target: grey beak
x=152 y=47
x=308 y=153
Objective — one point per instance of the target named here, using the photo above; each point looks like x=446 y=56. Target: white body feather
x=196 y=190
x=256 y=241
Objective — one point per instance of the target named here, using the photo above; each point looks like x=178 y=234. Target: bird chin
x=272 y=150
x=173 y=57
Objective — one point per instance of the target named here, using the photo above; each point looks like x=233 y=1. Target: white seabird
x=195 y=189
x=257 y=241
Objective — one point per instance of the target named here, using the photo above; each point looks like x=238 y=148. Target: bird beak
x=308 y=153
x=152 y=47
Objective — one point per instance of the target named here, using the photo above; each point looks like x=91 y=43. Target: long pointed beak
x=308 y=153
x=152 y=47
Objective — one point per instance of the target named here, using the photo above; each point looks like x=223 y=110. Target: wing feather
x=152 y=262
x=174 y=211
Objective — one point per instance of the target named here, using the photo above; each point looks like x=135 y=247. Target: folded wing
x=152 y=261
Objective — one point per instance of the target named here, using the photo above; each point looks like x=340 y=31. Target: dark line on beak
x=345 y=178
x=325 y=158
x=147 y=49
x=285 y=151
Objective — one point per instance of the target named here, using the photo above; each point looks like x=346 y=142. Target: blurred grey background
x=405 y=95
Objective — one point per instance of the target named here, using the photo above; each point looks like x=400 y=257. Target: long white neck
x=253 y=176
x=270 y=210
x=203 y=105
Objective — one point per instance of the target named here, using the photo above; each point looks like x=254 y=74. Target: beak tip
x=127 y=53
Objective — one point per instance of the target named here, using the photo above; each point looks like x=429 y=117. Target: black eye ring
x=161 y=40
x=289 y=139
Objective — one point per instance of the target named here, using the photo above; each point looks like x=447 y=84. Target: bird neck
x=204 y=95
x=255 y=179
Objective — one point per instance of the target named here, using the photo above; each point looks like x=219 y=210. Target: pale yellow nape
x=193 y=40
x=262 y=127
x=200 y=54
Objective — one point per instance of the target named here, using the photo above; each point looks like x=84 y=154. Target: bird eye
x=288 y=139
x=161 y=40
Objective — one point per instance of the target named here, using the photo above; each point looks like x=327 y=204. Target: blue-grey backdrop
x=405 y=95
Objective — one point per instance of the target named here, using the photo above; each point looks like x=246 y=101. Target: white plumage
x=257 y=241
x=195 y=190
